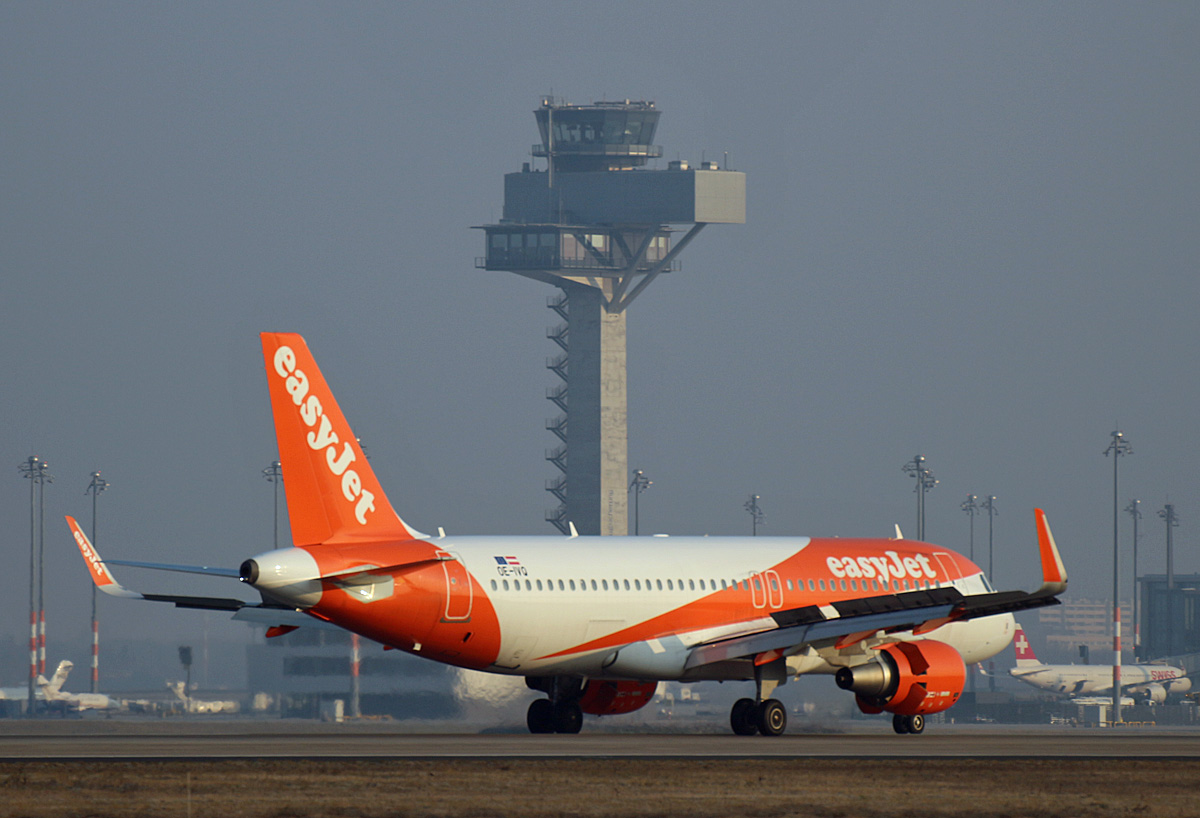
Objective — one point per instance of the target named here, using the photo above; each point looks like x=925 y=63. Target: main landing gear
x=762 y=714
x=908 y=724
x=748 y=717
x=561 y=712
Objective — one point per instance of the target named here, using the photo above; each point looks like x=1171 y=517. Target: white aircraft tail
x=1025 y=655
x=51 y=688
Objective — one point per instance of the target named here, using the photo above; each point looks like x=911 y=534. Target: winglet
x=1054 y=574
x=99 y=571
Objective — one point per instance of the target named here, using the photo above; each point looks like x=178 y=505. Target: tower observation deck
x=599 y=226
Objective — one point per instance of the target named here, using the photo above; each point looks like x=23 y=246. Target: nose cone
x=289 y=575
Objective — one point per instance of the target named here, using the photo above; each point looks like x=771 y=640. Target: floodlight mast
x=274 y=474
x=1135 y=512
x=38 y=473
x=1171 y=518
x=1118 y=448
x=925 y=481
x=95 y=488
x=637 y=485
x=971 y=508
x=598 y=225
x=757 y=517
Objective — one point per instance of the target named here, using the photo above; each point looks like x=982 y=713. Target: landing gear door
x=460 y=593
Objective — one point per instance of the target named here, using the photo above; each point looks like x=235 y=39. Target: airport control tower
x=600 y=227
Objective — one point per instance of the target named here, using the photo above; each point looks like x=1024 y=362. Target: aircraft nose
x=249 y=572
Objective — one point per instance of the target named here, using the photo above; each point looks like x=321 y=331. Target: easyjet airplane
x=595 y=623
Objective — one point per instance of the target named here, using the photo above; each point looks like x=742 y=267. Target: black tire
x=743 y=718
x=916 y=724
x=772 y=718
x=568 y=718
x=900 y=724
x=540 y=716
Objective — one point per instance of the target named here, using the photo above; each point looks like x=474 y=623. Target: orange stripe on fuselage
x=838 y=569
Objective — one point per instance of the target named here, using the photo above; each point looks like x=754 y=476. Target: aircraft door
x=460 y=593
x=774 y=589
x=759 y=590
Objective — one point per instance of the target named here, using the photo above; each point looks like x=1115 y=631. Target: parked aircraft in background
x=1148 y=683
x=53 y=693
x=41 y=685
x=202 y=706
x=595 y=623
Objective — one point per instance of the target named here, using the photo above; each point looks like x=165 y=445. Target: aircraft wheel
x=772 y=718
x=540 y=716
x=900 y=724
x=916 y=724
x=568 y=718
x=743 y=718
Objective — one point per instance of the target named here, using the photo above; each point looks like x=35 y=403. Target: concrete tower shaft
x=600 y=229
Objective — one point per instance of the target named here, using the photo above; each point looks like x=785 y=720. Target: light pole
x=971 y=508
x=1172 y=520
x=989 y=505
x=1136 y=513
x=274 y=474
x=925 y=481
x=1117 y=448
x=637 y=485
x=32 y=469
x=95 y=488
x=756 y=514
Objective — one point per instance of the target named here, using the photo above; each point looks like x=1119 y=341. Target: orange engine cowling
x=614 y=698
x=908 y=678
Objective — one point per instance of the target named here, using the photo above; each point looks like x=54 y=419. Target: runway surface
x=154 y=740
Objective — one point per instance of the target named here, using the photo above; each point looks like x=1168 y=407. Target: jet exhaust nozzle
x=249 y=572
x=871 y=679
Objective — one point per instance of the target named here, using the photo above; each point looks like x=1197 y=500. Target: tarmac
x=125 y=739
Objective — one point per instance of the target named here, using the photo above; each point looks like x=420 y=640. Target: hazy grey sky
x=972 y=233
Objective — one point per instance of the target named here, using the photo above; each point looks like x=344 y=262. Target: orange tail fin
x=332 y=492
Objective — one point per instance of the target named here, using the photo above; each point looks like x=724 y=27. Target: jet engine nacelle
x=613 y=698
x=1151 y=694
x=908 y=678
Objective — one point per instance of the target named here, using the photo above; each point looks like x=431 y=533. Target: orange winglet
x=280 y=630
x=1054 y=573
x=96 y=568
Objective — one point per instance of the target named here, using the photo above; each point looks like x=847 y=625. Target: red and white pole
x=355 y=661
x=42 y=641
x=95 y=655
x=33 y=671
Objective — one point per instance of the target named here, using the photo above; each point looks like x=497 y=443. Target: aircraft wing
x=106 y=582
x=847 y=621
